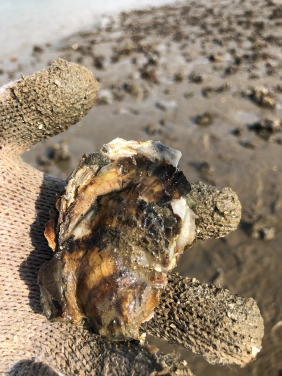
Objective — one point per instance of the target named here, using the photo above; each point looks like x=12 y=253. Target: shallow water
x=26 y=23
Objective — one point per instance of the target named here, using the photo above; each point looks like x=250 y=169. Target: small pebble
x=204 y=119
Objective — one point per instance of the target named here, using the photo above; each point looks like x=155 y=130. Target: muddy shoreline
x=207 y=80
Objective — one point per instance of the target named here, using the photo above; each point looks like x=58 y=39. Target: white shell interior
x=188 y=231
x=152 y=149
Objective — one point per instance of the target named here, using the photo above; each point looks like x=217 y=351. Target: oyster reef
x=119 y=226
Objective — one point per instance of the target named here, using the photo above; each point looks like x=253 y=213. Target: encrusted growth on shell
x=120 y=225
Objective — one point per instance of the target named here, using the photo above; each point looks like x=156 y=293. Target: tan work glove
x=223 y=327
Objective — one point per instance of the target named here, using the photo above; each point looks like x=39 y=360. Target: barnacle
x=119 y=226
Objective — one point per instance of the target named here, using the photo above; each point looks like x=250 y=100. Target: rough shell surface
x=120 y=225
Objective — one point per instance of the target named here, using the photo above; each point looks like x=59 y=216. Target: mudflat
x=204 y=78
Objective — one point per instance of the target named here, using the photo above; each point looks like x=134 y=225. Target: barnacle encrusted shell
x=120 y=225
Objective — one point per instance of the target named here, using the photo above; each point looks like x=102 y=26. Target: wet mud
x=204 y=78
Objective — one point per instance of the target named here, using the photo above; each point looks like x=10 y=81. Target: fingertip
x=45 y=103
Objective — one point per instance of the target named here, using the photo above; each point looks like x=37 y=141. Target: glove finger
x=218 y=209
x=70 y=350
x=44 y=104
x=223 y=327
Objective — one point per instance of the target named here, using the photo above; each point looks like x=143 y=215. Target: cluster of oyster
x=119 y=226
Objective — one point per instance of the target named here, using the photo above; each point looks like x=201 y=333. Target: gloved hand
x=206 y=319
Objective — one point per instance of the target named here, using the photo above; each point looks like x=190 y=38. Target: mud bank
x=206 y=80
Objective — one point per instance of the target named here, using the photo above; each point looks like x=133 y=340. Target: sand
x=205 y=79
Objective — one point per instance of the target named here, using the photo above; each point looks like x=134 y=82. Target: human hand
x=206 y=319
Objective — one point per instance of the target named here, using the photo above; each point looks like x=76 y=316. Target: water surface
x=24 y=23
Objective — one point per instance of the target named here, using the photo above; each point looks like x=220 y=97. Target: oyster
x=119 y=226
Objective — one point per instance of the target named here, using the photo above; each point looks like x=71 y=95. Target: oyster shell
x=120 y=225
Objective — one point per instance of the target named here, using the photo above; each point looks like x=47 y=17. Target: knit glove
x=225 y=328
